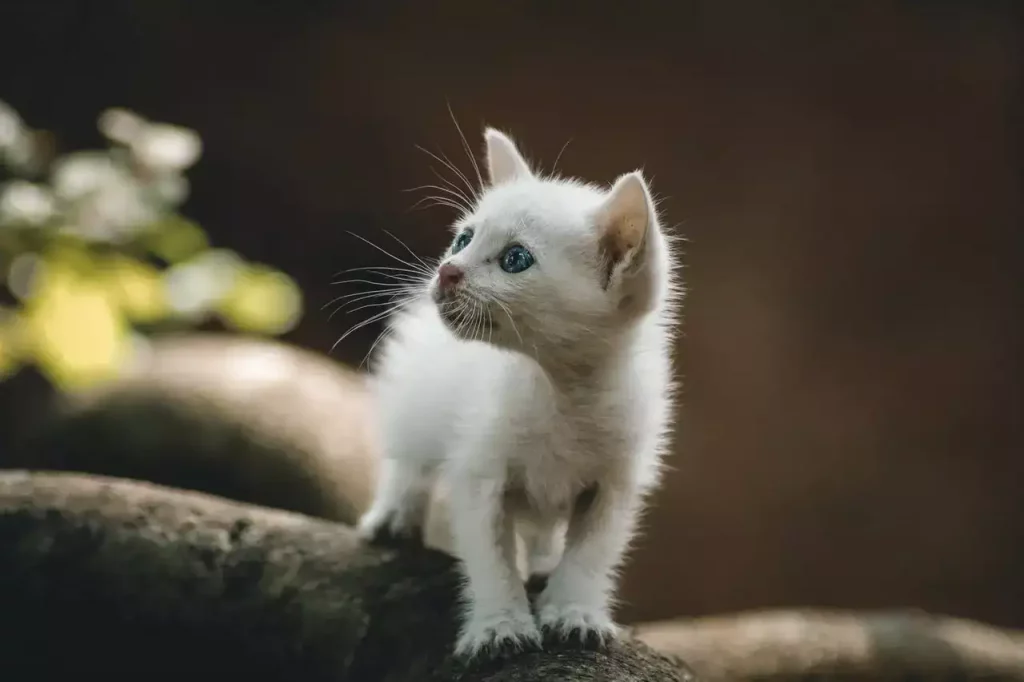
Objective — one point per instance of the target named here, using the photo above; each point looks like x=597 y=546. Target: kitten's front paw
x=389 y=528
x=499 y=634
x=593 y=627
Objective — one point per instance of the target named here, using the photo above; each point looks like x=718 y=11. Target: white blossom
x=163 y=147
x=170 y=188
x=194 y=287
x=25 y=202
x=10 y=126
x=80 y=174
x=121 y=125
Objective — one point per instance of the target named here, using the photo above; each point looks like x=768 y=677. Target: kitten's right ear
x=504 y=162
x=624 y=224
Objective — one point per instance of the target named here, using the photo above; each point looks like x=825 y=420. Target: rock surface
x=121 y=580
x=254 y=420
x=808 y=644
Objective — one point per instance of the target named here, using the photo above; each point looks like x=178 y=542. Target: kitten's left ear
x=504 y=162
x=624 y=221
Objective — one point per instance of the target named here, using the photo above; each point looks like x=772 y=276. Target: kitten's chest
x=562 y=441
x=555 y=467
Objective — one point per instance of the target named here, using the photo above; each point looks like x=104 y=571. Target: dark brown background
x=848 y=176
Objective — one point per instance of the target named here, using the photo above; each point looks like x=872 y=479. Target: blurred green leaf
x=264 y=301
x=174 y=239
x=77 y=253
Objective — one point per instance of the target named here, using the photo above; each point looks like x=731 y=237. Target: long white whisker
x=368 y=281
x=461 y=319
x=431 y=201
x=406 y=278
x=364 y=295
x=469 y=321
x=377 y=304
x=406 y=247
x=380 y=337
x=390 y=290
x=387 y=268
x=478 y=326
x=469 y=199
x=401 y=297
x=554 y=166
x=450 y=167
x=370 y=320
x=474 y=320
x=465 y=146
x=456 y=195
x=508 y=314
x=464 y=177
x=382 y=250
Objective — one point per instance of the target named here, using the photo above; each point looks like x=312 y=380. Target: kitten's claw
x=591 y=627
x=388 y=528
x=497 y=635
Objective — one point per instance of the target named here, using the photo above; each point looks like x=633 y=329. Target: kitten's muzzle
x=449 y=277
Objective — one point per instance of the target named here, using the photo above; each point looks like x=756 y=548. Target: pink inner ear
x=615 y=244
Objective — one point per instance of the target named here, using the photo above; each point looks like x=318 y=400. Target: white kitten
x=534 y=376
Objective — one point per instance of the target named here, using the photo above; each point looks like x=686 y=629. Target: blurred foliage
x=95 y=256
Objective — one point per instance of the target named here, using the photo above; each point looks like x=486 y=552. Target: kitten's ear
x=623 y=222
x=504 y=162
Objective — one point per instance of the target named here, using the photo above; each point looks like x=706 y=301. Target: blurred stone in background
x=848 y=177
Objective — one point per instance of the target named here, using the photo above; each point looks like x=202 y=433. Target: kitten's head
x=542 y=261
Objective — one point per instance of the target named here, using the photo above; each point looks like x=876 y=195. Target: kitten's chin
x=476 y=327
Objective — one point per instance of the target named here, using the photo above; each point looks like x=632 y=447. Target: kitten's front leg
x=576 y=600
x=497 y=613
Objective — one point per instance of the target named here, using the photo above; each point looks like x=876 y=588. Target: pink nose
x=449 y=276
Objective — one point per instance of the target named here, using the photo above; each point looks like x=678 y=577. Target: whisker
x=470 y=198
x=478 y=327
x=465 y=319
x=406 y=247
x=380 y=337
x=401 y=299
x=457 y=196
x=508 y=314
x=374 y=268
x=465 y=146
x=364 y=296
x=382 y=249
x=460 y=319
x=393 y=279
x=452 y=163
x=432 y=201
x=365 y=281
x=450 y=167
x=554 y=166
x=370 y=320
x=370 y=305
x=390 y=290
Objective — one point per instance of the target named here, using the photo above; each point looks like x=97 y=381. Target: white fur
x=572 y=389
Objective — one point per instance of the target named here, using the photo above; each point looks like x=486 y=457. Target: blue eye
x=516 y=259
x=462 y=241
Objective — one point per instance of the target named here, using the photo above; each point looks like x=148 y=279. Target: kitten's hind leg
x=399 y=509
